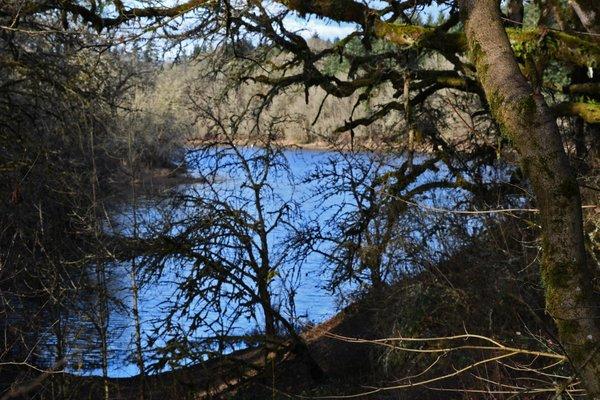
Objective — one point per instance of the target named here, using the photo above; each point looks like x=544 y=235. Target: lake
x=309 y=181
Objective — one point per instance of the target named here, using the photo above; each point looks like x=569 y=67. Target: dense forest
x=221 y=199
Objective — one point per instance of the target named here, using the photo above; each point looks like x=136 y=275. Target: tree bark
x=265 y=302
x=588 y=13
x=526 y=120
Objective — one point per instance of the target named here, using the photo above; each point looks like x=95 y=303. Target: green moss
x=402 y=35
x=556 y=275
x=420 y=36
x=524 y=41
x=555 y=45
x=495 y=101
x=535 y=42
x=577 y=50
x=475 y=51
x=452 y=81
x=526 y=107
x=590 y=112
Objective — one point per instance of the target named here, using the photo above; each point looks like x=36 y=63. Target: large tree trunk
x=526 y=120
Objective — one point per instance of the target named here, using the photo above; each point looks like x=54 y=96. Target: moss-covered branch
x=553 y=44
x=588 y=88
x=589 y=112
x=420 y=36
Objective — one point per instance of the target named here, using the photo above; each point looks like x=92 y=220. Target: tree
x=525 y=118
x=507 y=74
x=227 y=240
x=377 y=233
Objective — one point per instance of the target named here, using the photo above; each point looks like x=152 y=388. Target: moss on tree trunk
x=526 y=120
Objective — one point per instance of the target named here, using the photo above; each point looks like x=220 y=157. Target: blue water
x=291 y=182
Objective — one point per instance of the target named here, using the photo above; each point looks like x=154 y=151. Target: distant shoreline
x=317 y=146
